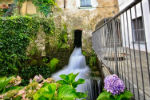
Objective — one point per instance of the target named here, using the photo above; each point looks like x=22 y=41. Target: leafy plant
x=15 y=36
x=63 y=37
x=70 y=80
x=126 y=95
x=67 y=92
x=4 y=82
x=47 y=92
x=45 y=6
x=92 y=61
x=9 y=83
x=59 y=90
x=30 y=71
x=53 y=63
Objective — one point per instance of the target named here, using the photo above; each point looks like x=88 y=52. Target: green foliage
x=45 y=6
x=108 y=96
x=70 y=80
x=92 y=61
x=30 y=71
x=53 y=63
x=63 y=37
x=19 y=2
x=15 y=36
x=66 y=92
x=54 y=91
x=4 y=82
x=91 y=58
x=47 y=92
x=2 y=11
x=48 y=25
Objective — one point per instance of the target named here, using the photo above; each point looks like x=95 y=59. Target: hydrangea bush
x=114 y=84
x=114 y=89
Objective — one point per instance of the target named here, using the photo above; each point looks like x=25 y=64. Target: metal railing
x=122 y=45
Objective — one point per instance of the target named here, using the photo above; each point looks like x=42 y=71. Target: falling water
x=77 y=64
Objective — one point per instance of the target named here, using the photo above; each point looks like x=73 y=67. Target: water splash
x=77 y=64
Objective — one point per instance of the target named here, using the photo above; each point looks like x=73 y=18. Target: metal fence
x=122 y=44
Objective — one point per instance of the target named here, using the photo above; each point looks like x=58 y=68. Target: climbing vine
x=15 y=36
x=45 y=6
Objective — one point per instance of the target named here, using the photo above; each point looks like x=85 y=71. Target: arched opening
x=78 y=38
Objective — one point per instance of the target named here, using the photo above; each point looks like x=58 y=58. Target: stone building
x=85 y=14
x=78 y=14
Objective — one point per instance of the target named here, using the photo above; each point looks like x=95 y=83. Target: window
x=85 y=3
x=138 y=30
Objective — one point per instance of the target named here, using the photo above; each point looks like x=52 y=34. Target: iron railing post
x=115 y=47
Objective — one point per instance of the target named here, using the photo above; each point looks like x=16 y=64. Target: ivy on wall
x=15 y=36
x=44 y=6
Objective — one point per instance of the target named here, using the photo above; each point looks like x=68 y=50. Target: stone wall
x=84 y=18
x=76 y=17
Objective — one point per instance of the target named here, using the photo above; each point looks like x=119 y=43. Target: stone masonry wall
x=85 y=18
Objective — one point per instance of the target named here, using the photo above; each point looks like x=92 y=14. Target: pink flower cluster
x=114 y=84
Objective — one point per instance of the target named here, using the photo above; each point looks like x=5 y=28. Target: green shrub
x=29 y=72
x=4 y=81
x=46 y=89
x=65 y=90
x=15 y=35
x=9 y=83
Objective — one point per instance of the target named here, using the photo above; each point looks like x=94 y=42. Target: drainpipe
x=64 y=3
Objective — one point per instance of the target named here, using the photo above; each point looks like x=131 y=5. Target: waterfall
x=77 y=64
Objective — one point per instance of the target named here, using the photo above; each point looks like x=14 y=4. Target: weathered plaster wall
x=86 y=18
x=28 y=8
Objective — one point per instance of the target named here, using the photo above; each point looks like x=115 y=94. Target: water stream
x=77 y=64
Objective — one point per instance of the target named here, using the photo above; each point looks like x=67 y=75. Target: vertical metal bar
x=130 y=51
x=120 y=49
x=126 y=51
x=108 y=42
x=141 y=66
x=115 y=47
x=135 y=59
x=111 y=51
x=149 y=4
x=145 y=42
x=117 y=44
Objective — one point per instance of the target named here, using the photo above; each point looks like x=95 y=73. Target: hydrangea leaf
x=80 y=81
x=66 y=92
x=105 y=96
x=46 y=92
x=127 y=95
x=70 y=80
